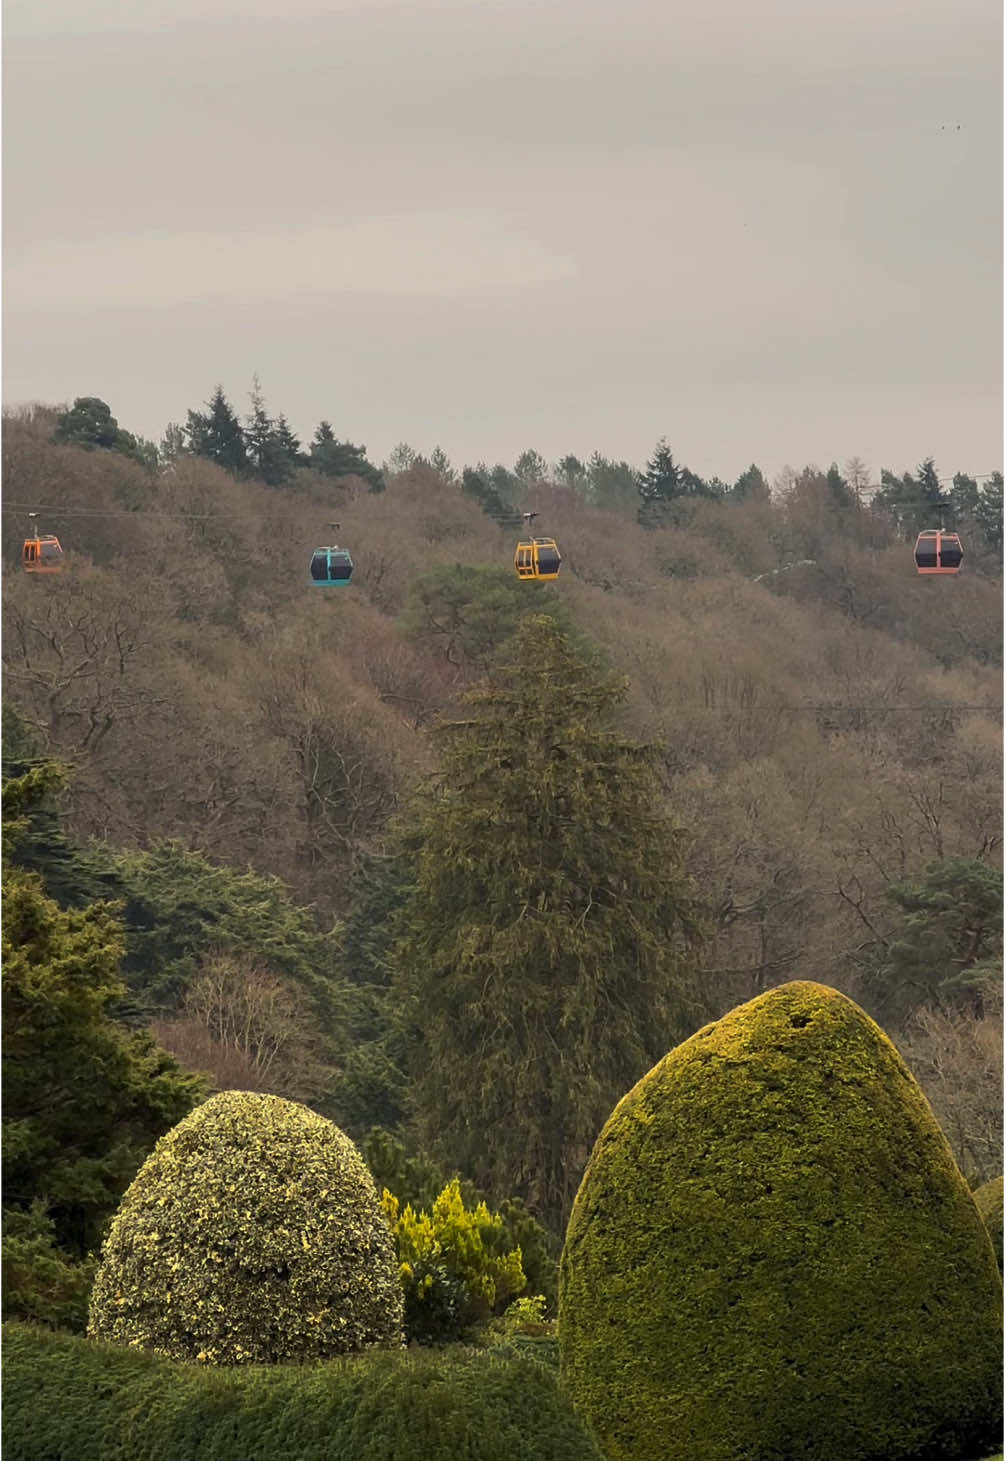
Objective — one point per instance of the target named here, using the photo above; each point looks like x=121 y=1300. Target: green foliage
x=33 y=832
x=417 y=1179
x=525 y=1315
x=370 y=1088
x=612 y=486
x=493 y=492
x=252 y=1234
x=467 y=615
x=179 y=907
x=989 y=1202
x=914 y=502
x=773 y=1254
x=988 y=512
x=40 y=1282
x=89 y=423
x=452 y=1271
x=27 y=790
x=949 y=944
x=541 y=960
x=751 y=483
x=543 y=1349
x=530 y=467
x=216 y=434
x=334 y=458
x=84 y=1099
x=664 y=482
x=68 y=1398
x=273 y=450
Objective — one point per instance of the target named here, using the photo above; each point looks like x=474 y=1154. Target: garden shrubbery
x=416 y=1179
x=452 y=1271
x=252 y=1234
x=773 y=1254
x=990 y=1206
x=69 y=1399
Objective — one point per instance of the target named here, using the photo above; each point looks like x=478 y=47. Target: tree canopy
x=543 y=949
x=84 y=1098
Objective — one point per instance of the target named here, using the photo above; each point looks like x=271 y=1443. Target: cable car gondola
x=41 y=552
x=536 y=558
x=938 y=552
x=331 y=567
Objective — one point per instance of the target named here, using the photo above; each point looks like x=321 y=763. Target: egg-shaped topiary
x=989 y=1200
x=773 y=1254
x=251 y=1234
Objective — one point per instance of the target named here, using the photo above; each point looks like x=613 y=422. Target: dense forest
x=454 y=858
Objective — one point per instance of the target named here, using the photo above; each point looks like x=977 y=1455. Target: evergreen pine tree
x=475 y=483
x=664 y=482
x=334 y=458
x=541 y=952
x=440 y=463
x=217 y=434
x=964 y=496
x=751 y=483
x=989 y=512
x=530 y=467
x=84 y=1099
x=259 y=437
x=287 y=446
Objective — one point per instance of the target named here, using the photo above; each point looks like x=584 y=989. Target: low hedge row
x=71 y=1399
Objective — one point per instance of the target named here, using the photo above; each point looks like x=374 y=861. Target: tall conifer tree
x=542 y=953
x=217 y=434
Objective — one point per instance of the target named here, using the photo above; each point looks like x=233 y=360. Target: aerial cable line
x=139 y=512
x=836 y=705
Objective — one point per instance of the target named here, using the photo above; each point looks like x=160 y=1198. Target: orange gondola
x=41 y=552
x=938 y=552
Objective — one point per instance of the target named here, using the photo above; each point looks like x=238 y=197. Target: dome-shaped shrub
x=774 y=1255
x=989 y=1200
x=252 y=1233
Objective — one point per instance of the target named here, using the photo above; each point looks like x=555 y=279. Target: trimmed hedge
x=252 y=1234
x=989 y=1200
x=773 y=1255
x=70 y=1399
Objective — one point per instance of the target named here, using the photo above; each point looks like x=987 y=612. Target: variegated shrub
x=252 y=1234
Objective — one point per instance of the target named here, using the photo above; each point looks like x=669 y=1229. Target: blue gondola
x=331 y=567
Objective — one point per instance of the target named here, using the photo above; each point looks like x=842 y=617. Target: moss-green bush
x=69 y=1399
x=989 y=1202
x=251 y=1234
x=773 y=1255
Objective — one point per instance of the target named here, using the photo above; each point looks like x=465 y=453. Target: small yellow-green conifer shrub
x=454 y=1269
x=252 y=1234
x=773 y=1255
x=989 y=1204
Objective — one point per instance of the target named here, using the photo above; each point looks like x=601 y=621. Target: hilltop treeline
x=823 y=726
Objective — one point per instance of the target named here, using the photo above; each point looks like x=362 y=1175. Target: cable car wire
x=139 y=512
x=836 y=705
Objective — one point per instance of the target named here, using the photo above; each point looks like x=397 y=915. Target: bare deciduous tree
x=957 y=1058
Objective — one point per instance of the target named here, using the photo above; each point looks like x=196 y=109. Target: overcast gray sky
x=769 y=232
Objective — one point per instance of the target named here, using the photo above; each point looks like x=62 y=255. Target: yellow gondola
x=536 y=558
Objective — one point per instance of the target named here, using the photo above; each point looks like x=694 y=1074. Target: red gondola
x=938 y=552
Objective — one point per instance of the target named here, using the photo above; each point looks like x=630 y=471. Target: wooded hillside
x=828 y=723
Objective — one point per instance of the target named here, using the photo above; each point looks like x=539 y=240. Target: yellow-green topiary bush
x=774 y=1255
x=252 y=1234
x=989 y=1200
